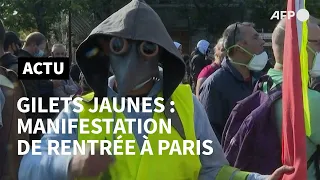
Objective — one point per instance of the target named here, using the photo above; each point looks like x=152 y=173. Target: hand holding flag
x=280 y=172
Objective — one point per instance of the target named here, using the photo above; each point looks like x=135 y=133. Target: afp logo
x=43 y=68
x=302 y=15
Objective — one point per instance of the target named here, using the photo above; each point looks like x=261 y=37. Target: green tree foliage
x=32 y=14
x=44 y=15
x=214 y=15
x=100 y=9
x=313 y=6
x=261 y=11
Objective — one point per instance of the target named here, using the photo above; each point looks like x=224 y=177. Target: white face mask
x=315 y=71
x=257 y=62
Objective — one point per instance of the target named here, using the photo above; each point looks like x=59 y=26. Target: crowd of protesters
x=220 y=74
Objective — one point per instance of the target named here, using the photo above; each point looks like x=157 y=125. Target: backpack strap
x=275 y=93
x=8 y=85
x=315 y=158
x=263 y=79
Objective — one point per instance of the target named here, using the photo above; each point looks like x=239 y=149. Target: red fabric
x=293 y=129
x=208 y=70
x=249 y=79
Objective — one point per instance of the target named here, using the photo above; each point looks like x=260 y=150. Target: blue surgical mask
x=40 y=53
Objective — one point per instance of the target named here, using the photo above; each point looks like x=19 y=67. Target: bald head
x=278 y=40
x=58 y=50
x=278 y=37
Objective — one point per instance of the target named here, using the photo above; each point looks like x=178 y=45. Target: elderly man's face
x=313 y=43
x=252 y=40
x=59 y=52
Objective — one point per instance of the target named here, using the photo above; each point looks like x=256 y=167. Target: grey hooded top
x=135 y=21
x=95 y=68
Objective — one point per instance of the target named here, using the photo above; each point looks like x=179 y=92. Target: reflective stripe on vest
x=227 y=171
x=143 y=167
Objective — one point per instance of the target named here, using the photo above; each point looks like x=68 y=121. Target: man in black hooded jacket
x=7 y=59
x=12 y=43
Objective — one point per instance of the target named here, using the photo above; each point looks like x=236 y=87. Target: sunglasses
x=235 y=33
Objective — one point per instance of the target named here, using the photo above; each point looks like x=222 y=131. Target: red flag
x=293 y=124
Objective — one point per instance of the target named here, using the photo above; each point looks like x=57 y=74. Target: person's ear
x=242 y=43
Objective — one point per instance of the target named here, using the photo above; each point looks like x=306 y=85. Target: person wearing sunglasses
x=234 y=80
x=131 y=43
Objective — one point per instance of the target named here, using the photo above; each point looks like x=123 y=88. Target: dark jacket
x=186 y=79
x=24 y=53
x=40 y=87
x=75 y=73
x=31 y=86
x=37 y=88
x=12 y=90
x=197 y=63
x=9 y=61
x=220 y=93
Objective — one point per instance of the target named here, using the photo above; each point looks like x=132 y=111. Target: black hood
x=135 y=21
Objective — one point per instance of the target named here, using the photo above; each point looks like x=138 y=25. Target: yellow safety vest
x=156 y=167
x=147 y=167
